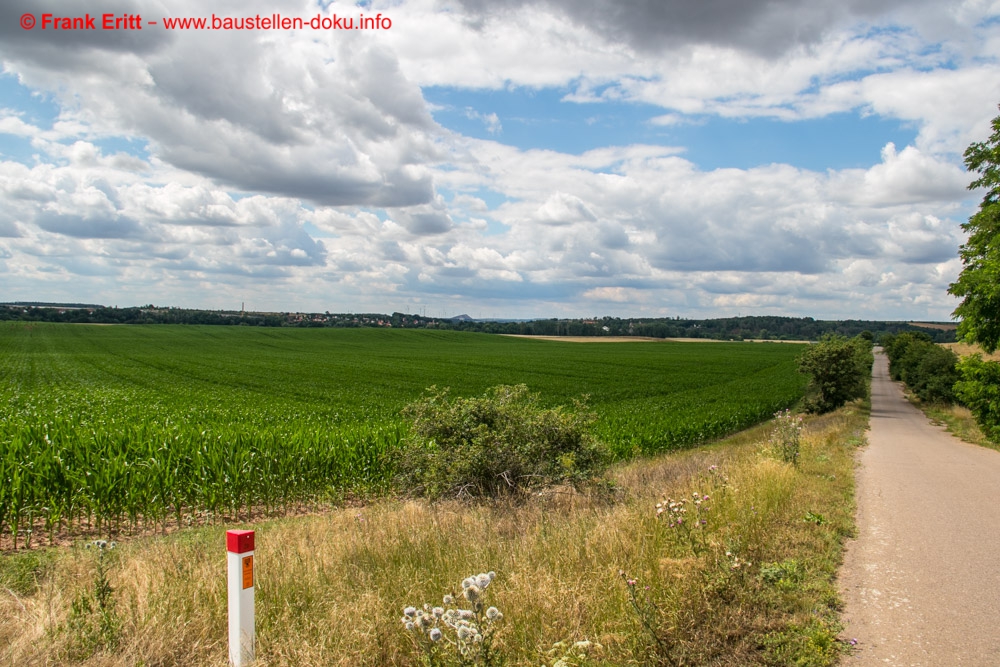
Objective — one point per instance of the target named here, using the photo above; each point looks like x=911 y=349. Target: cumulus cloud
x=330 y=119
x=307 y=167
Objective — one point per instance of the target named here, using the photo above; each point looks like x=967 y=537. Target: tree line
x=756 y=327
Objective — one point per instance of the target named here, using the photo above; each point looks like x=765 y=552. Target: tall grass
x=331 y=587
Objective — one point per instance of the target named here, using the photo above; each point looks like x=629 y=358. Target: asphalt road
x=921 y=583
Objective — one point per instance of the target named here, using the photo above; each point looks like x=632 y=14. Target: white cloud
x=306 y=167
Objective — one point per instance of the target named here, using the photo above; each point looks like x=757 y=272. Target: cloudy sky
x=501 y=158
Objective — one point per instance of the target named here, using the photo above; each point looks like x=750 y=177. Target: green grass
x=119 y=425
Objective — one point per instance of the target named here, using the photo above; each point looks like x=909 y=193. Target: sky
x=500 y=158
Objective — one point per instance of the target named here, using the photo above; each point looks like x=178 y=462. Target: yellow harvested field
x=639 y=339
x=940 y=326
x=964 y=349
x=590 y=339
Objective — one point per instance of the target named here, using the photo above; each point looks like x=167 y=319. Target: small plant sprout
x=449 y=633
x=786 y=436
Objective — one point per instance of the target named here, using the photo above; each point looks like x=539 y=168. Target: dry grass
x=958 y=420
x=330 y=587
x=937 y=326
x=964 y=350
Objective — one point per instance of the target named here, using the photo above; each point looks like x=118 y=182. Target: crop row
x=116 y=426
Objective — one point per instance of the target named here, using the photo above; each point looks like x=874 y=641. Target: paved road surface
x=921 y=582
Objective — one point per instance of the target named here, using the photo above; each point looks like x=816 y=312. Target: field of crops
x=115 y=425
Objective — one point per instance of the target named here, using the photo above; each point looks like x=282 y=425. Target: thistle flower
x=410 y=611
x=438 y=612
x=493 y=613
x=448 y=599
x=434 y=634
x=472 y=593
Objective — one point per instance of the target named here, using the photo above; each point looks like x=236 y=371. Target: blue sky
x=510 y=158
x=544 y=119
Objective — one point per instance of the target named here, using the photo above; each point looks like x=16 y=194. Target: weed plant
x=787 y=436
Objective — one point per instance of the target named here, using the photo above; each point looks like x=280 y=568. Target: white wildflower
x=434 y=634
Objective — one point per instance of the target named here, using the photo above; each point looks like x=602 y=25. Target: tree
x=978 y=285
x=839 y=369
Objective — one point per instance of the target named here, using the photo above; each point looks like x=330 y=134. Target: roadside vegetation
x=978 y=286
x=724 y=554
x=839 y=371
x=933 y=376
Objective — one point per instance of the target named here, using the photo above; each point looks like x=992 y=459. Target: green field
x=120 y=424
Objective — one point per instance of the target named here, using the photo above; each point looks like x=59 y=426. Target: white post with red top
x=242 y=635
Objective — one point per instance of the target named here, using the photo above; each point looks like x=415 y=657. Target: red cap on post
x=239 y=541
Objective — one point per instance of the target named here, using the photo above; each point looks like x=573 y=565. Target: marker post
x=242 y=635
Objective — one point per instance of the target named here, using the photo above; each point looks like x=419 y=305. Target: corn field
x=117 y=427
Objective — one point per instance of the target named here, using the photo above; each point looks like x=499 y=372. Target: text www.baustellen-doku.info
x=109 y=21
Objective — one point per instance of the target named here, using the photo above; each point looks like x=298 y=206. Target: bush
x=935 y=375
x=839 y=369
x=928 y=369
x=502 y=443
x=979 y=389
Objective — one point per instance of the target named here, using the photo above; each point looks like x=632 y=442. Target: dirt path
x=921 y=582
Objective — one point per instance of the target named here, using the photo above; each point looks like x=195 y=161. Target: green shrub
x=979 y=389
x=501 y=443
x=928 y=369
x=935 y=375
x=897 y=349
x=839 y=369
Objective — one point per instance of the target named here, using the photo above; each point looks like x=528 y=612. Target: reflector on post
x=242 y=635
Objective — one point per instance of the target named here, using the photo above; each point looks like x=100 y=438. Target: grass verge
x=957 y=419
x=753 y=584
